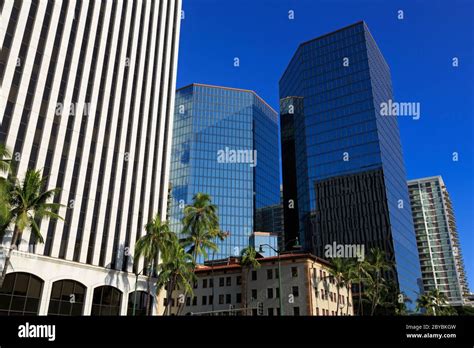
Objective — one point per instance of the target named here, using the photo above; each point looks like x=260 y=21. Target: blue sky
x=419 y=50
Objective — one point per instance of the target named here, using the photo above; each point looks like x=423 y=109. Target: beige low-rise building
x=224 y=287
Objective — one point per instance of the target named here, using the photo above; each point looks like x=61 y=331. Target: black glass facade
x=342 y=160
x=225 y=143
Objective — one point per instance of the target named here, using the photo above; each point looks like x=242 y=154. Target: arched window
x=67 y=298
x=140 y=308
x=106 y=301
x=20 y=294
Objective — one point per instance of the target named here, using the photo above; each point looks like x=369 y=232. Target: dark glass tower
x=344 y=177
x=225 y=143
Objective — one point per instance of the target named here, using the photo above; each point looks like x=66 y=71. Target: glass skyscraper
x=441 y=259
x=225 y=144
x=344 y=177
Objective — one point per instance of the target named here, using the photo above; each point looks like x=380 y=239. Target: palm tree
x=201 y=226
x=248 y=261
x=175 y=272
x=28 y=204
x=350 y=277
x=5 y=159
x=435 y=303
x=336 y=271
x=375 y=283
x=425 y=302
x=157 y=239
x=359 y=270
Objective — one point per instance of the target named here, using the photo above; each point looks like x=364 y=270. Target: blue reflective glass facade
x=345 y=150
x=225 y=143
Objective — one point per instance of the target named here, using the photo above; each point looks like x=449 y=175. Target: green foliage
x=342 y=273
x=25 y=204
x=176 y=271
x=29 y=203
x=375 y=285
x=5 y=159
x=156 y=240
x=201 y=226
x=434 y=303
x=248 y=258
x=464 y=310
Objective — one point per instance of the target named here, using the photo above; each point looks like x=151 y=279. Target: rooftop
x=232 y=263
x=230 y=89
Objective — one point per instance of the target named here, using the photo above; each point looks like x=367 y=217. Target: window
x=277 y=274
x=238 y=298
x=270 y=312
x=67 y=298
x=239 y=280
x=278 y=311
x=20 y=294
x=195 y=285
x=254 y=312
x=106 y=301
x=211 y=299
x=204 y=283
x=136 y=303
x=221 y=299
x=294 y=272
x=277 y=292
x=269 y=274
x=254 y=294
x=204 y=300
x=188 y=301
x=228 y=298
x=195 y=301
x=228 y=281
x=221 y=281
x=295 y=291
x=317 y=310
x=254 y=275
x=269 y=293
x=296 y=311
x=211 y=283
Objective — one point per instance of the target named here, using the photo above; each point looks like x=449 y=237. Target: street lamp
x=260 y=250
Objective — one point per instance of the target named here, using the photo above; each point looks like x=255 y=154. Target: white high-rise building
x=442 y=265
x=87 y=96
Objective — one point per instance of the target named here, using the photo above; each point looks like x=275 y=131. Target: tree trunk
x=244 y=290
x=337 y=301
x=16 y=234
x=147 y=300
x=348 y=288
x=375 y=299
x=169 y=294
x=361 y=308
